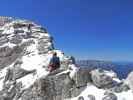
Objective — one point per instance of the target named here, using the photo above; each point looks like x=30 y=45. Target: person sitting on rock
x=54 y=62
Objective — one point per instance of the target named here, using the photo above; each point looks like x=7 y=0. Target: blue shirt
x=55 y=60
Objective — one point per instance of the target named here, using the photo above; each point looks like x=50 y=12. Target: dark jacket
x=55 y=62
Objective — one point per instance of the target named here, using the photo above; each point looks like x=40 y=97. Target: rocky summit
x=25 y=52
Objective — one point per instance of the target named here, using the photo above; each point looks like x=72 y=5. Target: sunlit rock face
x=20 y=38
x=25 y=51
x=4 y=20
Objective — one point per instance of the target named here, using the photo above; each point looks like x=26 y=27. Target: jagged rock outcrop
x=60 y=87
x=101 y=79
x=83 y=76
x=4 y=20
x=121 y=87
x=110 y=96
x=81 y=98
x=91 y=97
x=129 y=80
x=17 y=35
x=42 y=89
x=25 y=51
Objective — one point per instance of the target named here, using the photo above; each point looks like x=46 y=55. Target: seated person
x=54 y=63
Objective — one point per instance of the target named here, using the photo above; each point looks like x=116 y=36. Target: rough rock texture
x=50 y=88
x=81 y=98
x=59 y=87
x=4 y=20
x=91 y=97
x=42 y=89
x=63 y=87
x=100 y=79
x=129 y=80
x=17 y=35
x=110 y=96
x=82 y=77
x=120 y=88
x=25 y=50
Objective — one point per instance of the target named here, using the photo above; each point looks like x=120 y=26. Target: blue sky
x=87 y=29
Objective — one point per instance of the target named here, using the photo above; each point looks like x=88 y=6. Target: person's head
x=54 y=54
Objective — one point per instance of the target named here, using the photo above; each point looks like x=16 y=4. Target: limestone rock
x=100 y=79
x=83 y=77
x=120 y=88
x=110 y=96
x=81 y=98
x=15 y=34
x=42 y=89
x=21 y=42
x=129 y=80
x=91 y=97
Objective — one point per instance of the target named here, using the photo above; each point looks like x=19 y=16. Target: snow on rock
x=91 y=90
x=99 y=94
x=102 y=78
x=129 y=80
x=73 y=70
x=25 y=51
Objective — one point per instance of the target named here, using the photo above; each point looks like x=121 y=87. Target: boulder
x=129 y=80
x=57 y=87
x=110 y=96
x=42 y=89
x=11 y=91
x=16 y=72
x=120 y=88
x=101 y=79
x=91 y=97
x=81 y=98
x=82 y=77
x=51 y=88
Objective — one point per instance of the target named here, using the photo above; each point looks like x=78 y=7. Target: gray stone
x=67 y=89
x=110 y=96
x=3 y=40
x=81 y=98
x=16 y=39
x=13 y=46
x=16 y=72
x=129 y=80
x=91 y=97
x=82 y=77
x=42 y=89
x=120 y=88
x=100 y=79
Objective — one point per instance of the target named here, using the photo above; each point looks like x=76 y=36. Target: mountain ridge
x=25 y=51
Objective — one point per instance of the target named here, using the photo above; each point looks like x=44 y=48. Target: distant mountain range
x=121 y=68
x=96 y=64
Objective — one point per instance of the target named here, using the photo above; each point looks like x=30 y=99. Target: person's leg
x=50 y=68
